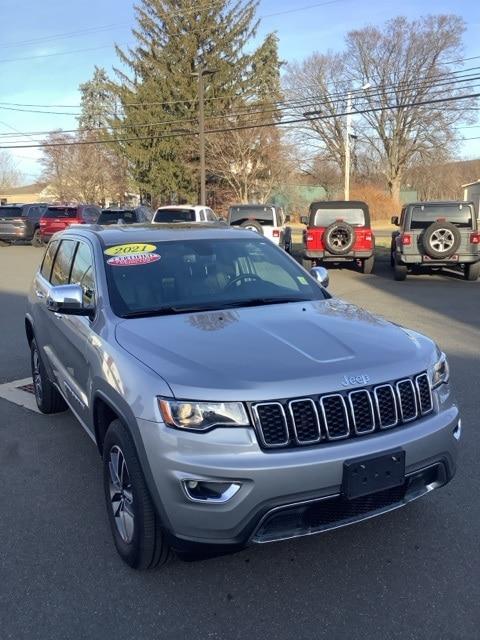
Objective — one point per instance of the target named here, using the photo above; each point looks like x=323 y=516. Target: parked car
x=184 y=213
x=436 y=235
x=21 y=222
x=338 y=232
x=233 y=400
x=127 y=215
x=266 y=219
x=59 y=217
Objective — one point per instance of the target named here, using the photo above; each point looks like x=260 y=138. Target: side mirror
x=304 y=220
x=394 y=220
x=321 y=276
x=67 y=299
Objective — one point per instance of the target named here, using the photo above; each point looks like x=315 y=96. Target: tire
x=47 y=396
x=400 y=271
x=339 y=238
x=252 y=225
x=368 y=264
x=137 y=533
x=307 y=263
x=37 y=239
x=472 y=271
x=441 y=240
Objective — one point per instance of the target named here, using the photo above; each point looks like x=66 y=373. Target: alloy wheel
x=442 y=240
x=121 y=495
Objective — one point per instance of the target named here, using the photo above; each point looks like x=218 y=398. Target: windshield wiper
x=250 y=302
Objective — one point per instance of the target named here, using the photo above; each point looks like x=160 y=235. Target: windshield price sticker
x=302 y=279
x=129 y=249
x=133 y=260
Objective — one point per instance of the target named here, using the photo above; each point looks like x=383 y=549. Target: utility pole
x=201 y=73
x=347 y=147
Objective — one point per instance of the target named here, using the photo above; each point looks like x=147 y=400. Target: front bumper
x=278 y=480
x=325 y=256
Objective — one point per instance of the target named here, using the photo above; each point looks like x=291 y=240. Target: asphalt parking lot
x=413 y=573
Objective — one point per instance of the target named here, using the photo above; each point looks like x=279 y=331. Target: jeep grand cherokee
x=233 y=400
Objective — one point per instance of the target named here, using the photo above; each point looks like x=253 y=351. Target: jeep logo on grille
x=348 y=381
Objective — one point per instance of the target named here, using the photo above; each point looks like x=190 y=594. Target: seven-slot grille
x=307 y=421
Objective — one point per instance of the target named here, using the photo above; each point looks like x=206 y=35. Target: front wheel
x=135 y=525
x=472 y=271
x=47 y=396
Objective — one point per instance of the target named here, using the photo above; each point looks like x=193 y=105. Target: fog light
x=204 y=491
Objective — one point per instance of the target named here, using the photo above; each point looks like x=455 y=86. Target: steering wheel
x=242 y=276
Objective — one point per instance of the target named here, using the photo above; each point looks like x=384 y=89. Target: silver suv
x=232 y=399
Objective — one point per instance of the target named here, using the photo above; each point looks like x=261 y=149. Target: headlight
x=440 y=372
x=200 y=416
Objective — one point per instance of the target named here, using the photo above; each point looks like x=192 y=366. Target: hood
x=274 y=351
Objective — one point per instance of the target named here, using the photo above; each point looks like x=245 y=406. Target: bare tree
x=405 y=63
x=10 y=176
x=250 y=161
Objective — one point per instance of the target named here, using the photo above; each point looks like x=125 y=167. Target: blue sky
x=30 y=28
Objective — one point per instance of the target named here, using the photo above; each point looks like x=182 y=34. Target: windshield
x=458 y=214
x=191 y=275
x=175 y=215
x=11 y=212
x=238 y=215
x=326 y=217
x=60 y=212
x=112 y=217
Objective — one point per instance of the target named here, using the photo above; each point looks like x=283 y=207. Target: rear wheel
x=135 y=525
x=472 y=271
x=368 y=264
x=400 y=271
x=49 y=399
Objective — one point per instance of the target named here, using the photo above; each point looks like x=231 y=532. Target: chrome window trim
x=377 y=404
x=305 y=442
x=397 y=385
x=258 y=424
x=325 y=422
x=417 y=378
x=369 y=396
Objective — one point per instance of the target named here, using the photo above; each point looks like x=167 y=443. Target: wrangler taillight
x=406 y=239
x=475 y=238
x=276 y=233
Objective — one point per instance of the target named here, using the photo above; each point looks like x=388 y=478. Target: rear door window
x=11 y=212
x=326 y=217
x=458 y=214
x=46 y=268
x=63 y=263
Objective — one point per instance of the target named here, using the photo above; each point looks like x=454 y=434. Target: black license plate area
x=362 y=476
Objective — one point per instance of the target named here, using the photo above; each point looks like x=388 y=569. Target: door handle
x=39 y=293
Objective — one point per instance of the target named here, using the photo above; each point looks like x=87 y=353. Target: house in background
x=36 y=192
x=471 y=193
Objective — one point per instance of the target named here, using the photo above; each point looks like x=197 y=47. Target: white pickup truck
x=266 y=219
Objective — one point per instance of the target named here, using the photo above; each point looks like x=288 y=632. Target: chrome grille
x=407 y=400
x=308 y=421
x=386 y=406
x=335 y=416
x=305 y=420
x=273 y=424
x=424 y=393
x=361 y=406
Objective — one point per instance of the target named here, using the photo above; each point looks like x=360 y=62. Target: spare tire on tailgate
x=252 y=225
x=441 y=240
x=339 y=238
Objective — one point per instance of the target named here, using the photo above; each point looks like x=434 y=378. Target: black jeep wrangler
x=436 y=235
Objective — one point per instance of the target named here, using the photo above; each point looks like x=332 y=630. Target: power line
x=244 y=127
